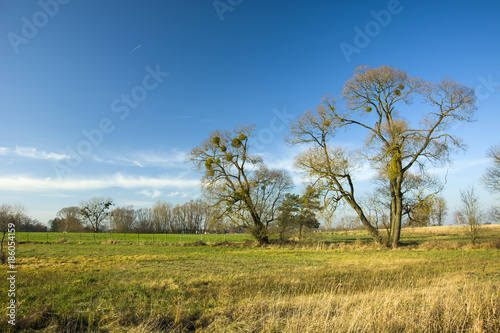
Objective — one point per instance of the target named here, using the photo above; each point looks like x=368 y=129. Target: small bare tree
x=439 y=210
x=470 y=214
x=492 y=176
x=144 y=220
x=494 y=214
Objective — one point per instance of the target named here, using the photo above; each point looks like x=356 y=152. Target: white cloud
x=117 y=180
x=364 y=172
x=150 y=193
x=174 y=158
x=178 y=194
x=284 y=161
x=33 y=153
x=30 y=152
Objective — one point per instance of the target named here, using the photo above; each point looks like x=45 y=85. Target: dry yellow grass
x=426 y=286
x=449 y=229
x=442 y=307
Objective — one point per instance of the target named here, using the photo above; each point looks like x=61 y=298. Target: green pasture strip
x=54 y=237
x=409 y=236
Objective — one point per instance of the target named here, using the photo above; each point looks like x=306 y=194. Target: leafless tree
x=144 y=220
x=69 y=219
x=122 y=219
x=439 y=210
x=420 y=214
x=470 y=214
x=95 y=212
x=492 y=176
x=237 y=182
x=10 y=219
x=162 y=218
x=375 y=100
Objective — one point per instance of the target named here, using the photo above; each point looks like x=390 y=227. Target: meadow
x=340 y=282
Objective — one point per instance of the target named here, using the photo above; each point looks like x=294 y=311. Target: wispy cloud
x=459 y=166
x=178 y=194
x=33 y=153
x=364 y=172
x=30 y=152
x=173 y=158
x=150 y=193
x=117 y=180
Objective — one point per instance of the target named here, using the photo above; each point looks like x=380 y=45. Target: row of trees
x=401 y=143
x=195 y=216
x=97 y=214
x=17 y=214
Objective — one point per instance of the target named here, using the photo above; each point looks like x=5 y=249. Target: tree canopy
x=376 y=102
x=95 y=211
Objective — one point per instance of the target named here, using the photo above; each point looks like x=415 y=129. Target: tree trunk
x=371 y=230
x=259 y=232
x=1 y=245
x=397 y=223
x=396 y=212
x=259 y=229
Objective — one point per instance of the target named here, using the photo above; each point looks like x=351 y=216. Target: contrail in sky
x=135 y=48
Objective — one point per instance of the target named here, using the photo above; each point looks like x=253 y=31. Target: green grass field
x=409 y=236
x=436 y=283
x=59 y=237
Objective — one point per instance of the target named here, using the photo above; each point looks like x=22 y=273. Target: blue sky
x=107 y=97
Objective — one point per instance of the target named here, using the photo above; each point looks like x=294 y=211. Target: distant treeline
x=97 y=215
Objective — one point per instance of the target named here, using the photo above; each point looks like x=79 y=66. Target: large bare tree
x=237 y=182
x=377 y=102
